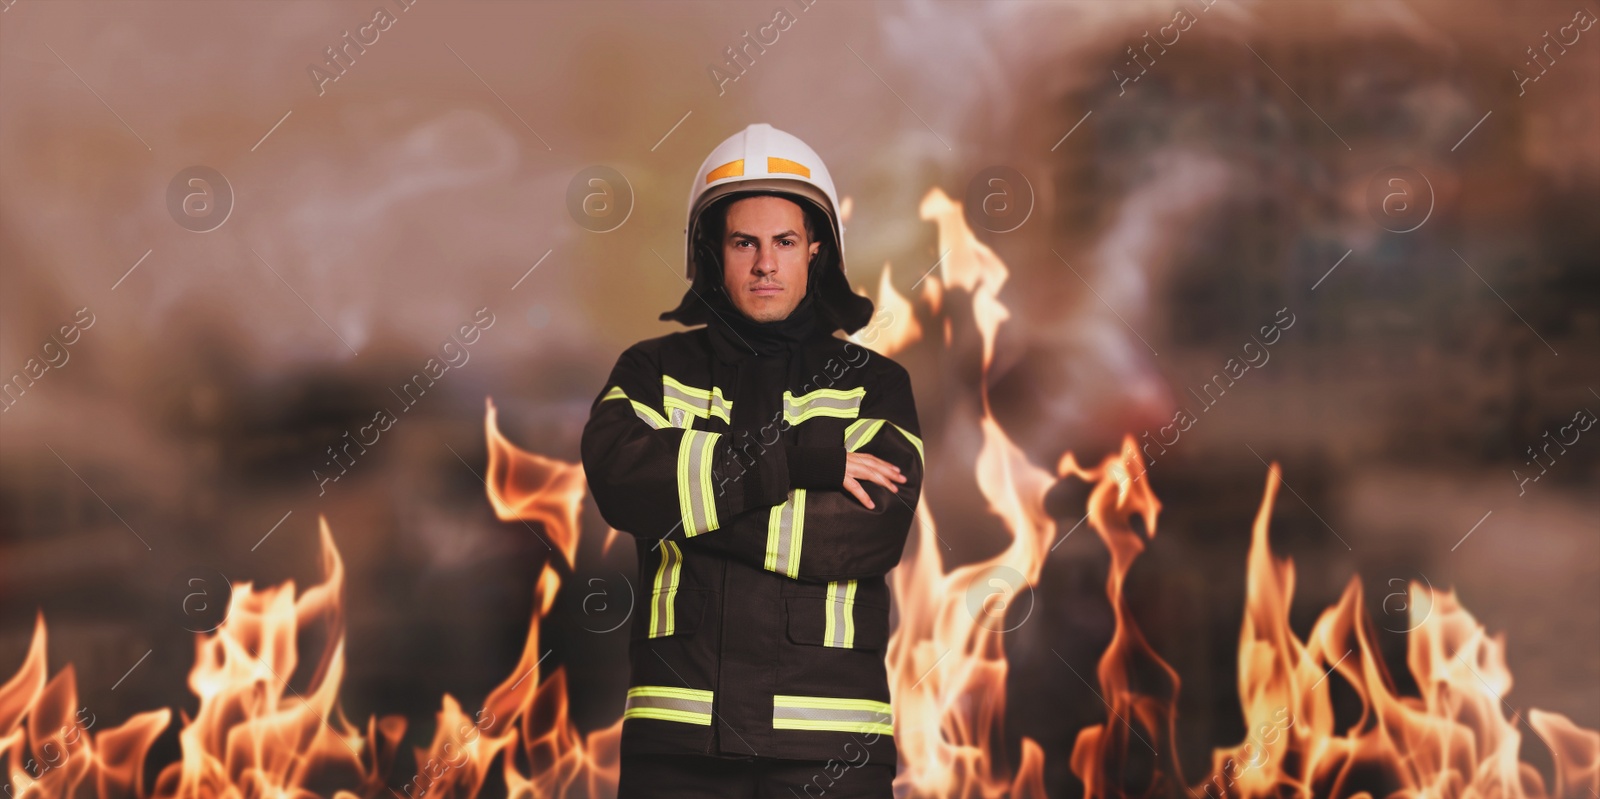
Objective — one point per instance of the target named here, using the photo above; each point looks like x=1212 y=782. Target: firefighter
x=769 y=473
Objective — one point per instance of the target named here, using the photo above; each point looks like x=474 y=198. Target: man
x=769 y=472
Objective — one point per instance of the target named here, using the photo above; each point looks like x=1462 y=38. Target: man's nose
x=766 y=261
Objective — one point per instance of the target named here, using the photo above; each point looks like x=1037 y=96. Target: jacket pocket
x=670 y=613
x=836 y=621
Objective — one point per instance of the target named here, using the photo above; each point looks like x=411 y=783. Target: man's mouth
x=766 y=290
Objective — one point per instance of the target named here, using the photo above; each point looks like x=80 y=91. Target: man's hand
x=861 y=466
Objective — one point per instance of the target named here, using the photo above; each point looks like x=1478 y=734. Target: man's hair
x=714 y=226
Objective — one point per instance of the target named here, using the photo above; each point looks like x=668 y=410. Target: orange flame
x=1454 y=740
x=946 y=658
x=524 y=486
x=1105 y=756
x=894 y=327
x=256 y=735
x=45 y=736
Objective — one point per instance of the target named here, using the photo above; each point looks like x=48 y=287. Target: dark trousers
x=699 y=776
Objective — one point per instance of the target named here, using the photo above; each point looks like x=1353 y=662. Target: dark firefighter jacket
x=762 y=620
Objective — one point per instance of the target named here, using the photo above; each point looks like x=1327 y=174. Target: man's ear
x=815 y=245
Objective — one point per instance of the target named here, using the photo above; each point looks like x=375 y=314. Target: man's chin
x=766 y=314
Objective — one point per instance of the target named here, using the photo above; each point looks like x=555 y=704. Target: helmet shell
x=762 y=158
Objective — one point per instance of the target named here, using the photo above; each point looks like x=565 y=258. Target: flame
x=1106 y=756
x=255 y=734
x=894 y=327
x=44 y=734
x=949 y=669
x=947 y=665
x=968 y=264
x=524 y=720
x=1460 y=738
x=524 y=486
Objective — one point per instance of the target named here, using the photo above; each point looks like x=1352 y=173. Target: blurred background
x=232 y=234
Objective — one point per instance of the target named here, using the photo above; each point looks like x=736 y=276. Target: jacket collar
x=737 y=338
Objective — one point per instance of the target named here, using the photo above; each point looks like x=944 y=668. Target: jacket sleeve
x=823 y=535
x=654 y=479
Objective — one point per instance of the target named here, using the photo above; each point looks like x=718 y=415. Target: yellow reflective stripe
x=831 y=713
x=785 y=525
x=841 y=622
x=671 y=691
x=663 y=618
x=776 y=164
x=705 y=482
x=838 y=403
x=686 y=705
x=860 y=432
x=776 y=532
x=917 y=442
x=696 y=503
x=649 y=415
x=798 y=531
x=667 y=714
x=834 y=725
x=850 y=613
x=732 y=169
x=643 y=411
x=697 y=401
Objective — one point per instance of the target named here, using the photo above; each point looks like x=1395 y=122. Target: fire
x=525 y=486
x=894 y=326
x=256 y=733
x=949 y=667
x=1108 y=757
x=1460 y=738
x=43 y=733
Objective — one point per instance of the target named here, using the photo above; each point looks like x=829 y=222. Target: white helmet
x=762 y=158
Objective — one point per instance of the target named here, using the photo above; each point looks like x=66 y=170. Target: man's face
x=766 y=256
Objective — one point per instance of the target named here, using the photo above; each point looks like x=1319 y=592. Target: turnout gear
x=762 y=617
x=761 y=622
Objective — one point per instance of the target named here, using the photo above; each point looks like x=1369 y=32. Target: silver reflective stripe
x=840 y=627
x=643 y=411
x=696 y=503
x=833 y=402
x=785 y=528
x=686 y=705
x=831 y=713
x=663 y=620
x=860 y=432
x=704 y=403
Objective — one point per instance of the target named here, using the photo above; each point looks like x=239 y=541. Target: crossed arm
x=773 y=507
